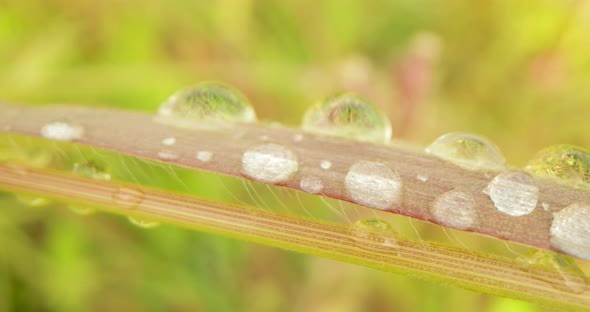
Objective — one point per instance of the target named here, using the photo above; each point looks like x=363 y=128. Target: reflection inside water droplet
x=371 y=231
x=569 y=164
x=513 y=193
x=468 y=151
x=570 y=230
x=373 y=184
x=93 y=170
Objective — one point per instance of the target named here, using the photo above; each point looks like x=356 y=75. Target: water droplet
x=167 y=155
x=169 y=141
x=143 y=223
x=62 y=131
x=422 y=178
x=545 y=206
x=570 y=230
x=93 y=170
x=325 y=164
x=128 y=197
x=373 y=184
x=347 y=115
x=568 y=163
x=297 y=137
x=513 y=193
x=207 y=102
x=204 y=156
x=269 y=162
x=455 y=208
x=369 y=231
x=565 y=273
x=467 y=151
x=311 y=185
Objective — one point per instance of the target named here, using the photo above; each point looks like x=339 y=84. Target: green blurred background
x=516 y=72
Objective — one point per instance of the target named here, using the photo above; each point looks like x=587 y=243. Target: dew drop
x=311 y=185
x=204 y=156
x=566 y=275
x=93 y=170
x=127 y=197
x=373 y=230
x=569 y=164
x=373 y=184
x=207 y=102
x=467 y=151
x=347 y=115
x=62 y=131
x=422 y=178
x=143 y=223
x=570 y=230
x=455 y=208
x=545 y=206
x=167 y=155
x=513 y=193
x=269 y=162
x=325 y=164
x=169 y=141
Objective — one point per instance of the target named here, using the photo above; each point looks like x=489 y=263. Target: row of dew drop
x=374 y=183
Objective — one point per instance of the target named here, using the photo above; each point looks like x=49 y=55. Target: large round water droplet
x=468 y=151
x=373 y=184
x=568 y=163
x=570 y=230
x=93 y=170
x=143 y=223
x=347 y=115
x=513 y=193
x=373 y=230
x=207 y=102
x=565 y=273
x=127 y=197
x=455 y=208
x=62 y=131
x=269 y=162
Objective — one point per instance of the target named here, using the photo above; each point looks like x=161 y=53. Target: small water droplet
x=513 y=193
x=297 y=137
x=204 y=156
x=93 y=170
x=169 y=141
x=325 y=164
x=566 y=275
x=545 y=206
x=33 y=200
x=269 y=162
x=422 y=178
x=128 y=197
x=373 y=230
x=467 y=151
x=569 y=164
x=62 y=131
x=311 y=185
x=143 y=223
x=207 y=102
x=347 y=115
x=570 y=230
x=373 y=184
x=167 y=155
x=455 y=208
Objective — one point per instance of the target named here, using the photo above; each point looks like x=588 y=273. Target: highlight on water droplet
x=350 y=116
x=563 y=272
x=455 y=208
x=127 y=197
x=169 y=141
x=62 y=131
x=422 y=178
x=570 y=230
x=269 y=162
x=312 y=185
x=370 y=231
x=93 y=170
x=468 y=151
x=325 y=164
x=143 y=223
x=513 y=193
x=206 y=103
x=373 y=184
x=204 y=156
x=569 y=164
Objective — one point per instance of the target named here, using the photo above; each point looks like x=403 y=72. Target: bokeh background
x=516 y=72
